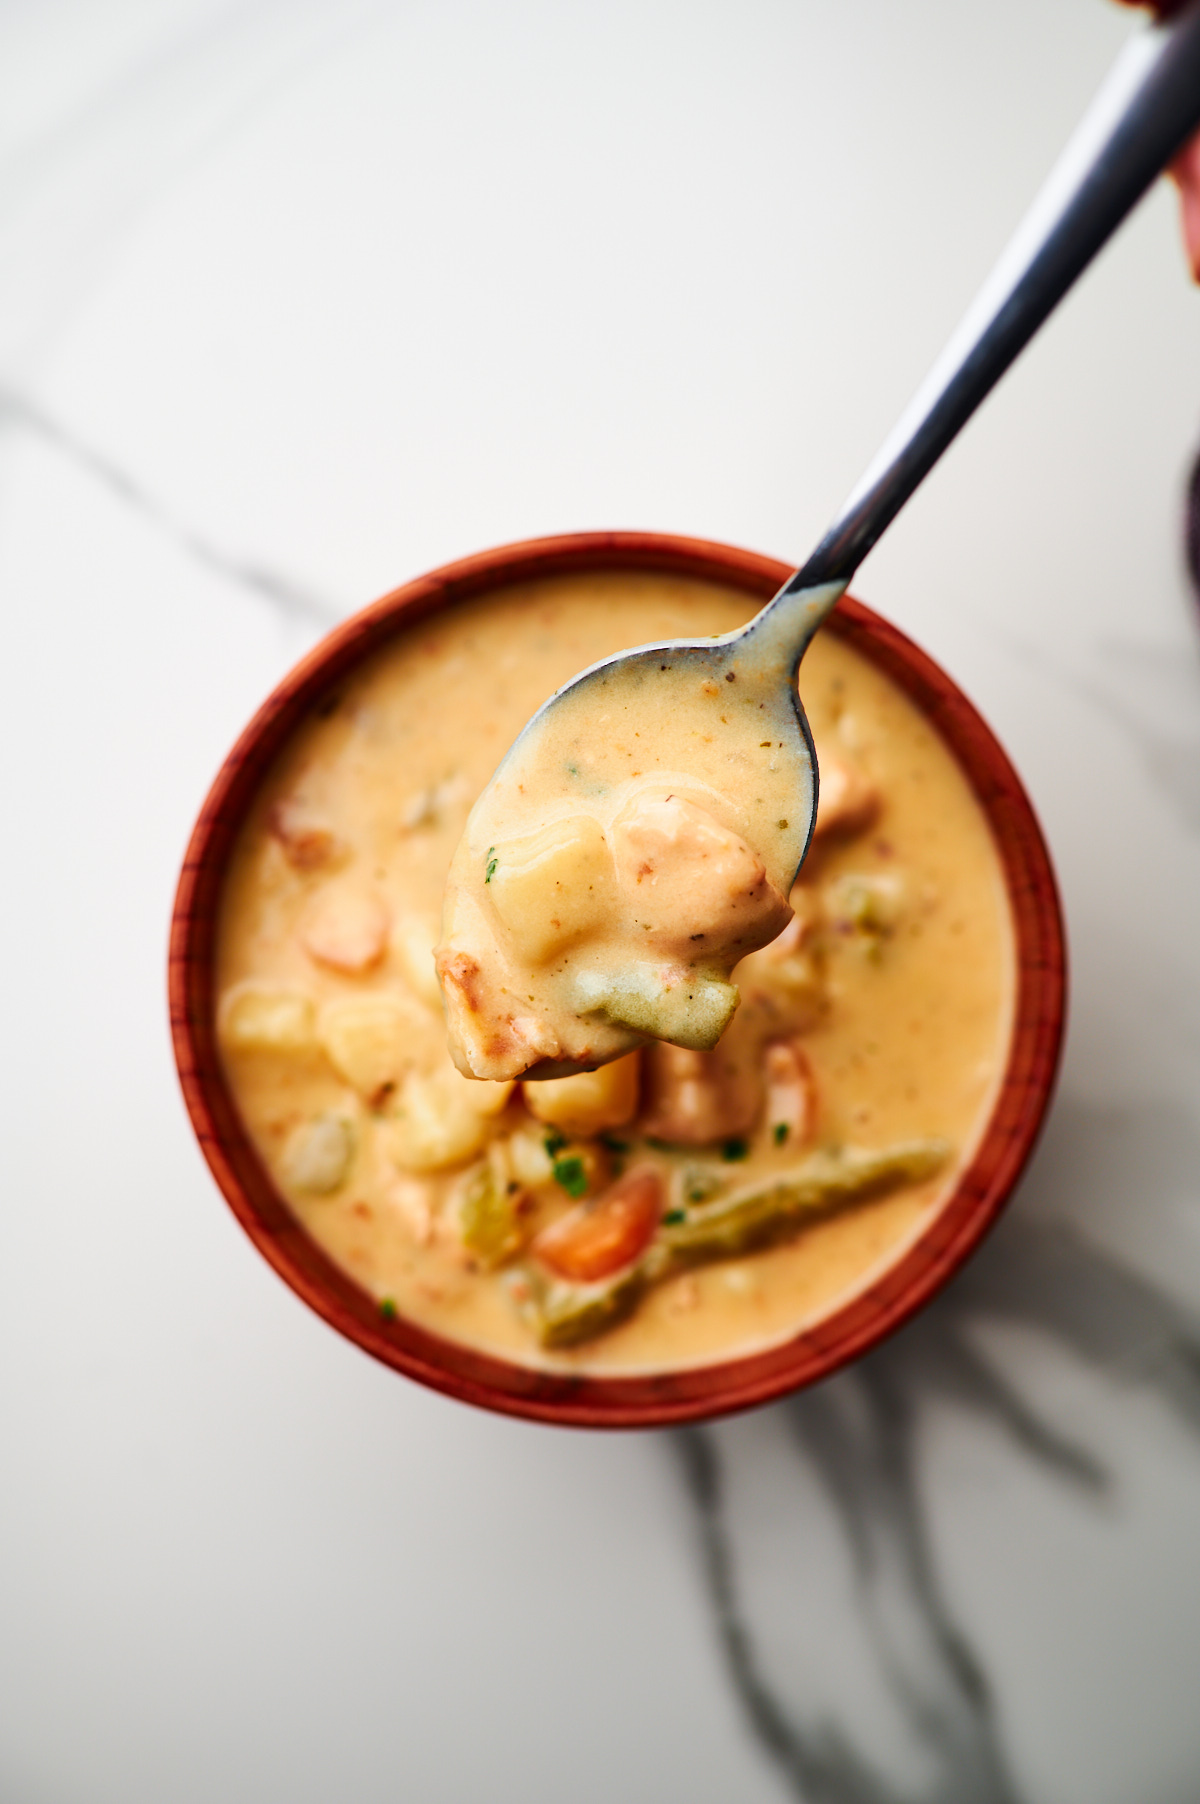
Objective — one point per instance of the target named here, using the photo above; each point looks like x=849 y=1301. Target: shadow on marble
x=849 y=1451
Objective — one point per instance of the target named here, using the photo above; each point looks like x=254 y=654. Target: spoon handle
x=1142 y=116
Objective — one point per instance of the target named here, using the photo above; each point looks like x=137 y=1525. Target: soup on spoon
x=639 y=840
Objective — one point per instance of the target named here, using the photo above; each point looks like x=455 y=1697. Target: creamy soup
x=682 y=1203
x=636 y=844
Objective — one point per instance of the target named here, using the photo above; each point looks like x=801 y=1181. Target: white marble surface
x=298 y=298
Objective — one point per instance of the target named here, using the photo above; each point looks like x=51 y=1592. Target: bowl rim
x=648 y=1399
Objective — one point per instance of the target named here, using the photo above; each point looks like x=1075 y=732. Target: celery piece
x=723 y=1227
x=763 y=1213
x=698 y=1184
x=488 y=1218
x=693 y=1012
x=562 y=1315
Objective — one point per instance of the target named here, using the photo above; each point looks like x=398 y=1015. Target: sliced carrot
x=600 y=1236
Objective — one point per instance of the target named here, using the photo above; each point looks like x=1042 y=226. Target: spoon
x=1146 y=110
x=742 y=685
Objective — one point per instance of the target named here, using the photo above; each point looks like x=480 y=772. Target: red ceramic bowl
x=640 y=1401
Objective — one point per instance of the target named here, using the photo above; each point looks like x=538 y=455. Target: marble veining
x=859 y=1433
x=293 y=601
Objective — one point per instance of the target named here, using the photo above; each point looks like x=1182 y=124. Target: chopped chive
x=673 y=1217
x=735 y=1149
x=387 y=1309
x=570 y=1173
x=554 y=1141
x=492 y=862
x=779 y=1132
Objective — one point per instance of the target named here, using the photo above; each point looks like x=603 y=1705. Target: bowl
x=643 y=1400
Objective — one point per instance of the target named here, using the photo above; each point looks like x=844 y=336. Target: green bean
x=725 y=1227
x=762 y=1214
x=562 y=1315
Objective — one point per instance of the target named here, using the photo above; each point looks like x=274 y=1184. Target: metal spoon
x=723 y=715
x=1146 y=110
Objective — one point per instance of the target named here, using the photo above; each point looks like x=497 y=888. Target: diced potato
x=372 y=1041
x=307 y=838
x=598 y=1238
x=589 y=1102
x=528 y=1159
x=252 y=1018
x=435 y=1127
x=480 y=1094
x=413 y=939
x=346 y=928
x=553 y=887
x=317 y=1156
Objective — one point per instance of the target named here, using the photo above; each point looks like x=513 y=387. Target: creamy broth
x=879 y=1021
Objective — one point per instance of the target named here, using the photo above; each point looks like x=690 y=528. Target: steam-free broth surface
x=875 y=1029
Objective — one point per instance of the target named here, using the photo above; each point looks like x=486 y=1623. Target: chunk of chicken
x=696 y=889
x=783 y=985
x=307 y=839
x=346 y=928
x=698 y=1098
x=791 y=1109
x=847 y=801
